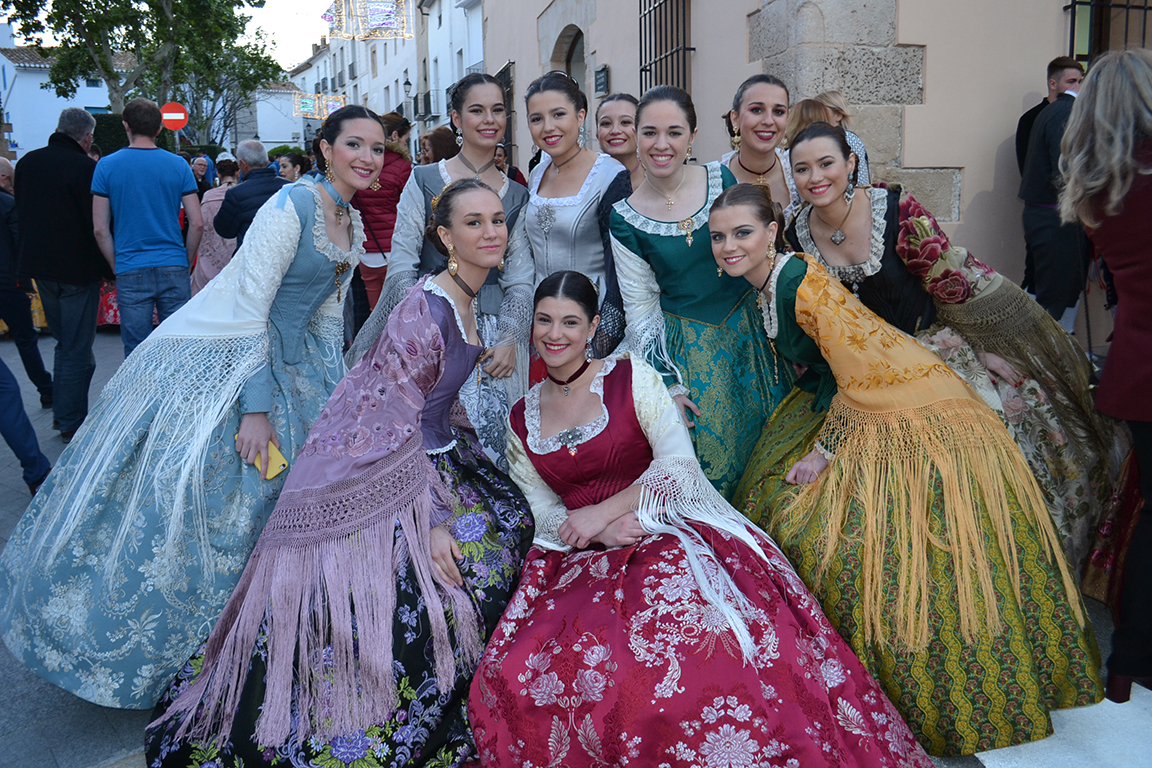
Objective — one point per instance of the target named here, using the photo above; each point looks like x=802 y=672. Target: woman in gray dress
x=571 y=193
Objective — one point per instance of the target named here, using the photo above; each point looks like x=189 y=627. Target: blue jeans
x=16 y=311
x=17 y=430
x=139 y=291
x=71 y=313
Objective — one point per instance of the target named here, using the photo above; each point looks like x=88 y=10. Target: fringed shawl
x=899 y=417
x=328 y=552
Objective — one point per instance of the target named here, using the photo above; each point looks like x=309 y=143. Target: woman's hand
x=253 y=437
x=445 y=554
x=808 y=469
x=502 y=362
x=998 y=367
x=583 y=525
x=685 y=405
x=621 y=532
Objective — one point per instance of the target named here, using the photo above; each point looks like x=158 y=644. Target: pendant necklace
x=341 y=207
x=484 y=351
x=838 y=236
x=759 y=174
x=576 y=154
x=473 y=168
x=567 y=384
x=668 y=198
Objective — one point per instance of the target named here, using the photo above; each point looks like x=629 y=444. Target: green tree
x=128 y=43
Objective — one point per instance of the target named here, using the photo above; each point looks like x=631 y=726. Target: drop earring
x=688 y=154
x=329 y=174
x=375 y=185
x=582 y=137
x=500 y=266
x=588 y=350
x=736 y=140
x=453 y=265
x=459 y=138
x=719 y=271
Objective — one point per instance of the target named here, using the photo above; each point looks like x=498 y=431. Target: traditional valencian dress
x=926 y=539
x=700 y=331
x=572 y=233
x=696 y=646
x=127 y=555
x=917 y=281
x=504 y=302
x=340 y=646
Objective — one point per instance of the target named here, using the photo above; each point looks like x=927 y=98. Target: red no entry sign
x=174 y=116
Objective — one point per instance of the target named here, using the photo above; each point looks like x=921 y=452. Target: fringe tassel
x=1006 y=321
x=887 y=463
x=304 y=589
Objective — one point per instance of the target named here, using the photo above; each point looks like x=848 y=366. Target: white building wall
x=275 y=119
x=33 y=111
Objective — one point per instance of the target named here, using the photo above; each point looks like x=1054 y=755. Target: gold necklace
x=668 y=198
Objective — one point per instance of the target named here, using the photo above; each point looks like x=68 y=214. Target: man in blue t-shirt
x=136 y=198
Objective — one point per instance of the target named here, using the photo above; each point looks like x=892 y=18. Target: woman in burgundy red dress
x=650 y=619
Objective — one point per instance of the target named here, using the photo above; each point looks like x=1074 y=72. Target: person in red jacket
x=377 y=207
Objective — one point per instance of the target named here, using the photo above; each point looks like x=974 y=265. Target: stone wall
x=819 y=45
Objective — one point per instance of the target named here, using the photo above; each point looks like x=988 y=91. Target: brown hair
x=143 y=117
x=444 y=205
x=1061 y=63
x=442 y=142
x=806 y=112
x=759 y=199
x=394 y=122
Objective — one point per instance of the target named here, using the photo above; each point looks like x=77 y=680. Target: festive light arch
x=370 y=19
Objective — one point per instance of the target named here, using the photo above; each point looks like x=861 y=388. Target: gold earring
x=453 y=265
x=688 y=154
x=329 y=174
x=736 y=140
x=375 y=185
x=719 y=271
x=500 y=266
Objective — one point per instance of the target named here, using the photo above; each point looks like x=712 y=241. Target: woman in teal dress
x=121 y=565
x=698 y=328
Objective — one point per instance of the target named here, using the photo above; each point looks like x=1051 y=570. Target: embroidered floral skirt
x=607 y=658
x=957 y=697
x=735 y=379
x=121 y=647
x=493 y=527
x=1077 y=490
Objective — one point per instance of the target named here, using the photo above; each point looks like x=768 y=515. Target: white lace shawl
x=674 y=492
x=190 y=371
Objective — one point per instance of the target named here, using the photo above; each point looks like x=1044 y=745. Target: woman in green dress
x=907 y=508
x=698 y=327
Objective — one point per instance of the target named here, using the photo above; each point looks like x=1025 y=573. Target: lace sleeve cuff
x=548 y=510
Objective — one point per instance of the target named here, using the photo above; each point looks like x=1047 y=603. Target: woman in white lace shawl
x=124 y=560
x=650 y=618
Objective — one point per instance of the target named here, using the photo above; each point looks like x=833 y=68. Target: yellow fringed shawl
x=901 y=417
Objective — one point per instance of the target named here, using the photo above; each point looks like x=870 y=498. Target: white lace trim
x=442 y=165
x=768 y=303
x=541 y=446
x=433 y=288
x=852 y=274
x=672 y=228
x=320 y=236
x=560 y=202
x=437 y=451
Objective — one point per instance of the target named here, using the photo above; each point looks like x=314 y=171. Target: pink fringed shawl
x=328 y=550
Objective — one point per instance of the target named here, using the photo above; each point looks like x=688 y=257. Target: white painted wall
x=275 y=119
x=32 y=111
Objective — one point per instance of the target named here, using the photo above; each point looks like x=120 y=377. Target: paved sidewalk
x=41 y=726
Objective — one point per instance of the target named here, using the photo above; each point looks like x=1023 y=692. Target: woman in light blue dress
x=121 y=565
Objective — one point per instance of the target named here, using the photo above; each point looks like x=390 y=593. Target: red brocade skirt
x=606 y=658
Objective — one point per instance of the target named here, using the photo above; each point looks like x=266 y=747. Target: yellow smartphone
x=276 y=465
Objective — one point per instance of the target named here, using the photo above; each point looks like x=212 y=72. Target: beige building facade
x=938 y=84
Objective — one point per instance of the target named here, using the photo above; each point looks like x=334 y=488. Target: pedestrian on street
x=139 y=191
x=15 y=306
x=17 y=431
x=258 y=182
x=57 y=248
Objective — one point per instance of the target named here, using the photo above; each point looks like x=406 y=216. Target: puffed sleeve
x=547 y=508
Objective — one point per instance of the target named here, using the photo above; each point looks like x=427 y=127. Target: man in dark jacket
x=15 y=306
x=57 y=249
x=1059 y=251
x=258 y=183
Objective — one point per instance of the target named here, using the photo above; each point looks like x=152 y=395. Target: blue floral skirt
x=493 y=525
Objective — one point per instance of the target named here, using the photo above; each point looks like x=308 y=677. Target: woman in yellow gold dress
x=907 y=508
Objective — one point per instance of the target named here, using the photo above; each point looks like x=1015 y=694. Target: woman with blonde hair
x=841 y=116
x=1106 y=161
x=803 y=114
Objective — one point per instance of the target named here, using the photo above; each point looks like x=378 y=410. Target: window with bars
x=664 y=44
x=1106 y=25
